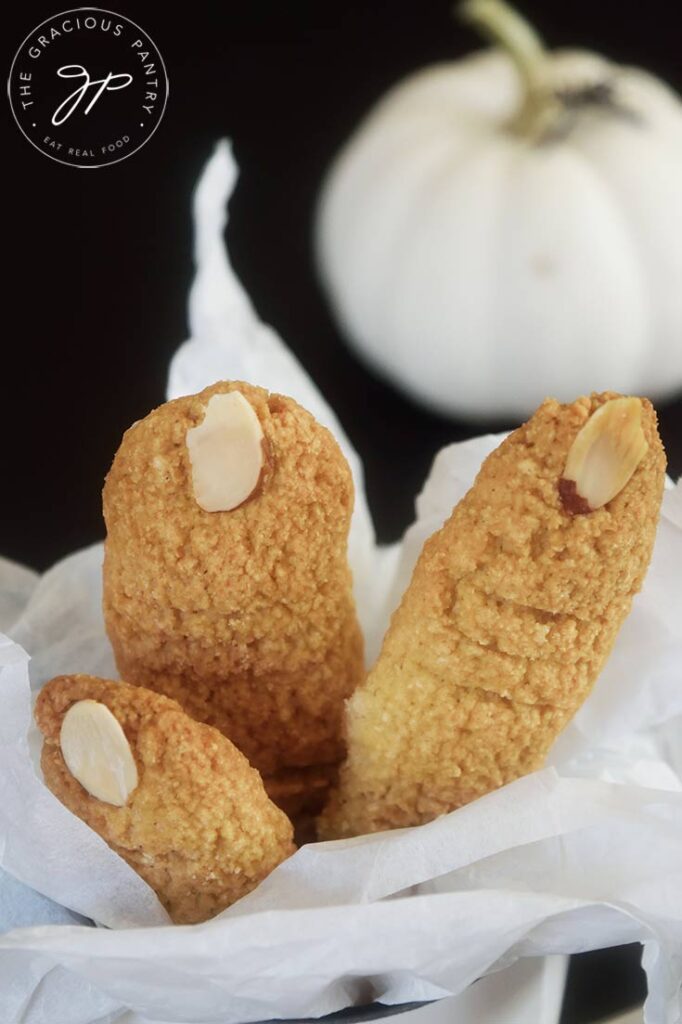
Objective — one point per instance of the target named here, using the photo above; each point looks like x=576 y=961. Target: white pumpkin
x=509 y=226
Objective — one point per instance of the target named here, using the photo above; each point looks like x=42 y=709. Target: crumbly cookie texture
x=512 y=610
x=246 y=617
x=199 y=827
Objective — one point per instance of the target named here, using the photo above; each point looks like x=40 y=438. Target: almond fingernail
x=603 y=456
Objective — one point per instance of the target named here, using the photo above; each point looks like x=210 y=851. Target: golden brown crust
x=512 y=610
x=245 y=617
x=199 y=827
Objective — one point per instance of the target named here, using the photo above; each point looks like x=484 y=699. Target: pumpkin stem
x=503 y=25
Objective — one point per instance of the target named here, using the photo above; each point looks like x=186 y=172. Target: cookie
x=226 y=579
x=512 y=610
x=171 y=796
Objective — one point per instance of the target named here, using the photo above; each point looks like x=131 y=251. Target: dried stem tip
x=603 y=456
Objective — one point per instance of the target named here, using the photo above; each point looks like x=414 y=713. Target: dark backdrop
x=98 y=263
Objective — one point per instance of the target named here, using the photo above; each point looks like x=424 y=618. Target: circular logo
x=88 y=87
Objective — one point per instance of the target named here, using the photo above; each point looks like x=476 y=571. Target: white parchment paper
x=584 y=854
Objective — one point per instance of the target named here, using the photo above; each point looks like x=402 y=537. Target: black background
x=98 y=263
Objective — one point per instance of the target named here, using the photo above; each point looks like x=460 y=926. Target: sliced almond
x=603 y=456
x=97 y=752
x=227 y=453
